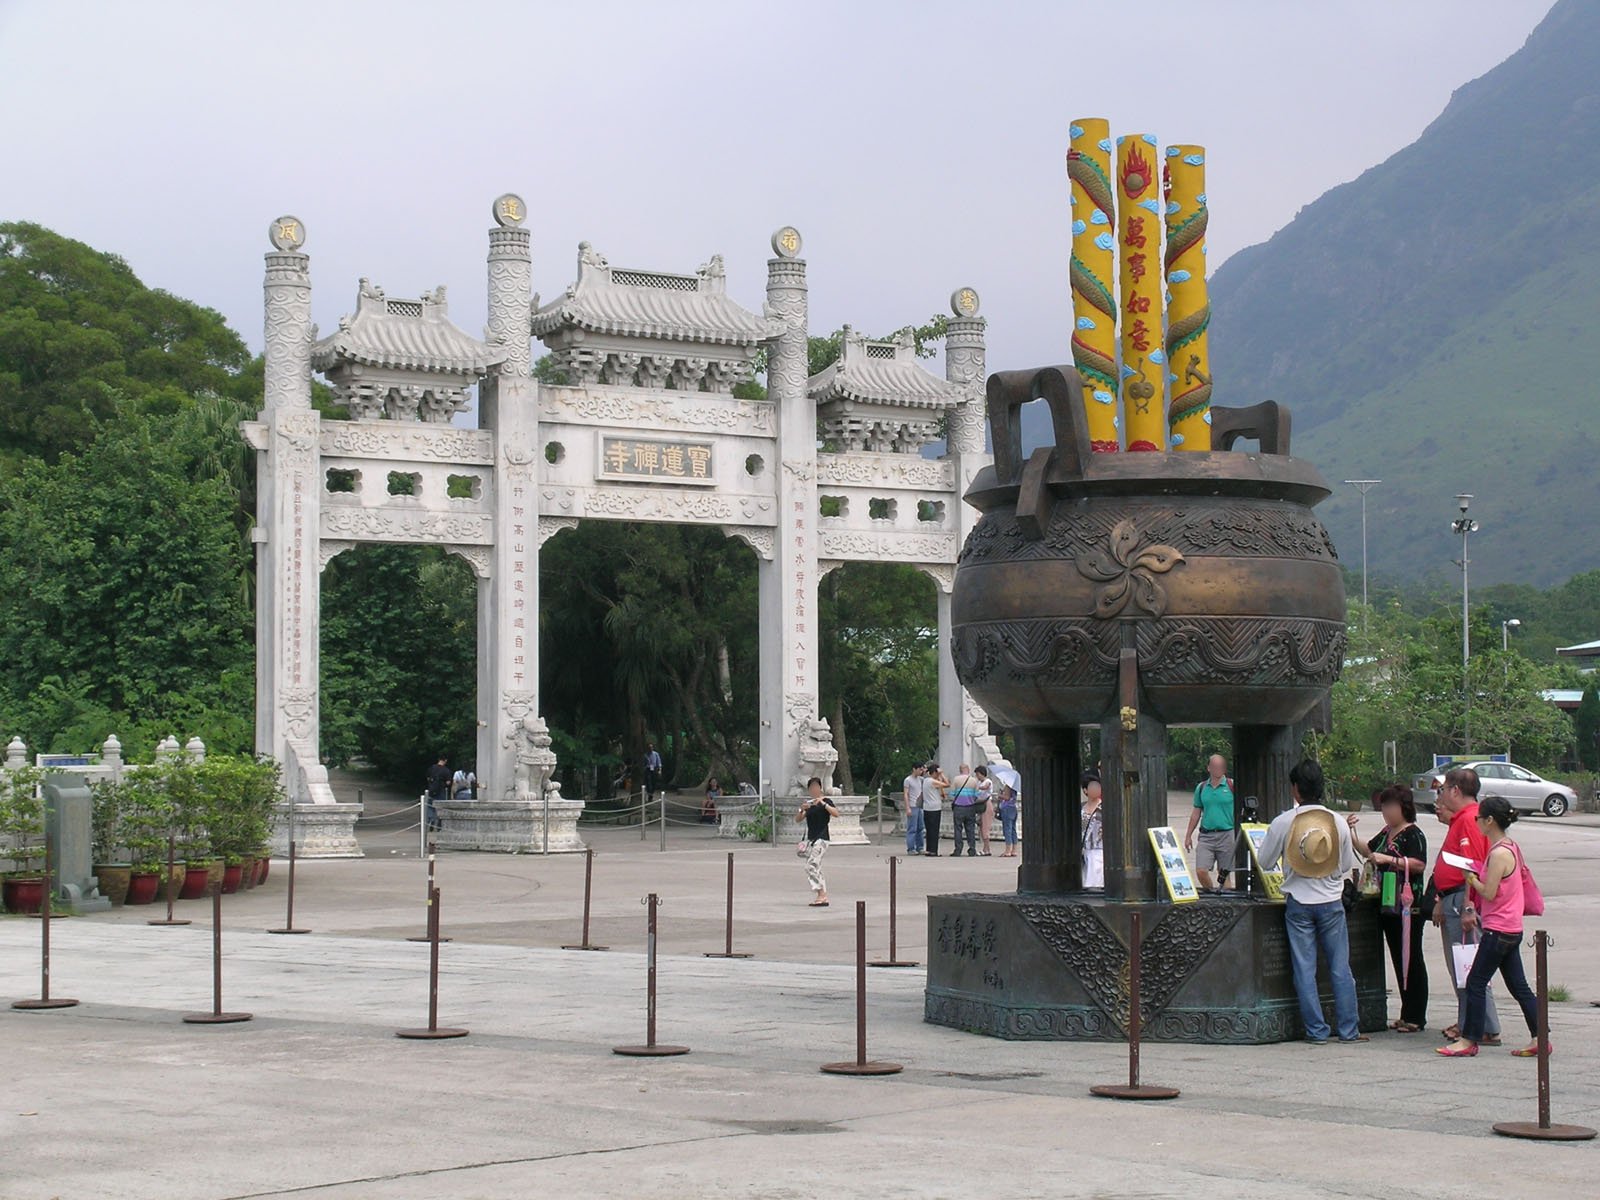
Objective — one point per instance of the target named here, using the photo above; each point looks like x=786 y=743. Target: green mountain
x=1431 y=324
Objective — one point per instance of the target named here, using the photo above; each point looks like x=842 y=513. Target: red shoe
x=1445 y=1052
x=1549 y=1049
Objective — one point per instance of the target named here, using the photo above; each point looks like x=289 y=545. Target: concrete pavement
x=316 y=1097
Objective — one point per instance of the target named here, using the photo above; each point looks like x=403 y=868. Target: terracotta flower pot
x=142 y=887
x=266 y=869
x=194 y=881
x=247 y=874
x=214 y=873
x=24 y=895
x=113 y=880
x=232 y=874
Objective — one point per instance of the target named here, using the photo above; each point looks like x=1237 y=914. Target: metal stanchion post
x=651 y=1048
x=588 y=887
x=663 y=818
x=546 y=840
x=880 y=814
x=422 y=825
x=172 y=855
x=1133 y=1089
x=428 y=930
x=894 y=959
x=433 y=1032
x=288 y=919
x=216 y=1016
x=1542 y=1130
x=862 y=1065
x=727 y=946
x=45 y=1001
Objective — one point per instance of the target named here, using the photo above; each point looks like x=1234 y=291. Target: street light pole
x=1363 y=486
x=1505 y=641
x=1465 y=526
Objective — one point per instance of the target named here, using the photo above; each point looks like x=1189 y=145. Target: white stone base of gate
x=844 y=830
x=320 y=831
x=509 y=826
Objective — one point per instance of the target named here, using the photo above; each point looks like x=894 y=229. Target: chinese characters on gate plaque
x=639 y=458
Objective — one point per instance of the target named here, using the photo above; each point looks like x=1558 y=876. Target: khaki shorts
x=1213 y=848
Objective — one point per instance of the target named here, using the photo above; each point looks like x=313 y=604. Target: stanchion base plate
x=164 y=921
x=429 y=1035
x=656 y=1051
x=894 y=962
x=862 y=1068
x=726 y=954
x=1533 y=1132
x=216 y=1018
x=428 y=939
x=1128 y=1091
x=54 y=916
x=288 y=931
x=39 y=1005
x=586 y=947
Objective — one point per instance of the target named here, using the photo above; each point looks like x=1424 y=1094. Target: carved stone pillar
x=965 y=365
x=510 y=286
x=787 y=584
x=1052 y=853
x=288 y=520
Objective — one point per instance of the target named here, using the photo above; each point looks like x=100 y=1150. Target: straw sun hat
x=1313 y=849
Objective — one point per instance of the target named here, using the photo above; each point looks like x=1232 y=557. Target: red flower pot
x=262 y=864
x=231 y=875
x=194 y=882
x=142 y=887
x=24 y=895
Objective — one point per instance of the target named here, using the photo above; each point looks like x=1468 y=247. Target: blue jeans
x=1310 y=926
x=1497 y=952
x=915 y=831
x=1008 y=823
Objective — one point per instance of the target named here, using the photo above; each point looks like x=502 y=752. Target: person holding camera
x=815 y=812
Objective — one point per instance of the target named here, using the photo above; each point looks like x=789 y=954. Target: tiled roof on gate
x=412 y=335
x=882 y=373
x=685 y=308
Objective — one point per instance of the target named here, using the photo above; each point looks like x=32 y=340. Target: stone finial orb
x=964 y=302
x=510 y=210
x=786 y=242
x=287 y=233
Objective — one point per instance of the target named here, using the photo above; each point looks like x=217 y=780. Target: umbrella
x=1405 y=927
x=1007 y=777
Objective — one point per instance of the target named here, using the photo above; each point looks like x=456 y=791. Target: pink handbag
x=1532 y=897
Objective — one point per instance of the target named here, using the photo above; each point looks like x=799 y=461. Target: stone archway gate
x=644 y=429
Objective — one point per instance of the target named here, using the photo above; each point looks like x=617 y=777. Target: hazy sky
x=917 y=146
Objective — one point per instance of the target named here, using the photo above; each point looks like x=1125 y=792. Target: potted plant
x=146 y=817
x=240 y=796
x=113 y=870
x=22 y=835
x=191 y=823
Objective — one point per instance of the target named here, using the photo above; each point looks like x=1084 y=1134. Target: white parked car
x=1526 y=792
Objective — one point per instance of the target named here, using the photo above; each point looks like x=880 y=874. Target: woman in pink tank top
x=1498 y=885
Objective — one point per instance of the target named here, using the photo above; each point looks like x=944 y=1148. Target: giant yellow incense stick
x=1094 y=307
x=1139 y=216
x=1189 y=307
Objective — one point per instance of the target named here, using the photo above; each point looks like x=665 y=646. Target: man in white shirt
x=915 y=830
x=1314 y=846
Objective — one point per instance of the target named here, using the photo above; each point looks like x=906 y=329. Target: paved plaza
x=316 y=1097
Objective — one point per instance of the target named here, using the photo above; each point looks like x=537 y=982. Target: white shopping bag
x=1466 y=953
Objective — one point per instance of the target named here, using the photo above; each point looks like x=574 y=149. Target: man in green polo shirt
x=1213 y=813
